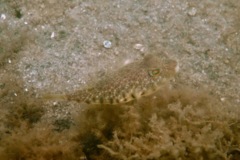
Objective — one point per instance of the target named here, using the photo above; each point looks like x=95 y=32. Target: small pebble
x=52 y=35
x=127 y=62
x=222 y=99
x=192 y=12
x=139 y=46
x=3 y=16
x=226 y=61
x=238 y=100
x=107 y=44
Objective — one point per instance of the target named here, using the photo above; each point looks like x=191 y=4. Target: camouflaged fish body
x=137 y=79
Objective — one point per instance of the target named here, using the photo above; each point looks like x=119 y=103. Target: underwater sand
x=52 y=47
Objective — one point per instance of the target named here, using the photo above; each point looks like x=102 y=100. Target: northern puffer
x=133 y=81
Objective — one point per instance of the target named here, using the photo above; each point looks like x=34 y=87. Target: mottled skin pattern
x=137 y=79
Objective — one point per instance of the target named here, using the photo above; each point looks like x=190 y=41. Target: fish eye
x=154 y=72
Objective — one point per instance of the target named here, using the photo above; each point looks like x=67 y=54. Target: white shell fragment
x=3 y=16
x=139 y=47
x=107 y=44
x=52 y=35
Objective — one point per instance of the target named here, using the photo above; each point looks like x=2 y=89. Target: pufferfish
x=131 y=82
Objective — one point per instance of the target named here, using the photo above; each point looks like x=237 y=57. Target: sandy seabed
x=56 y=47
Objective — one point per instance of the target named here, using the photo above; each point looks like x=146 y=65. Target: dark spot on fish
x=124 y=95
x=88 y=101
x=101 y=100
x=133 y=96
x=117 y=101
x=142 y=93
x=111 y=100
x=94 y=99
